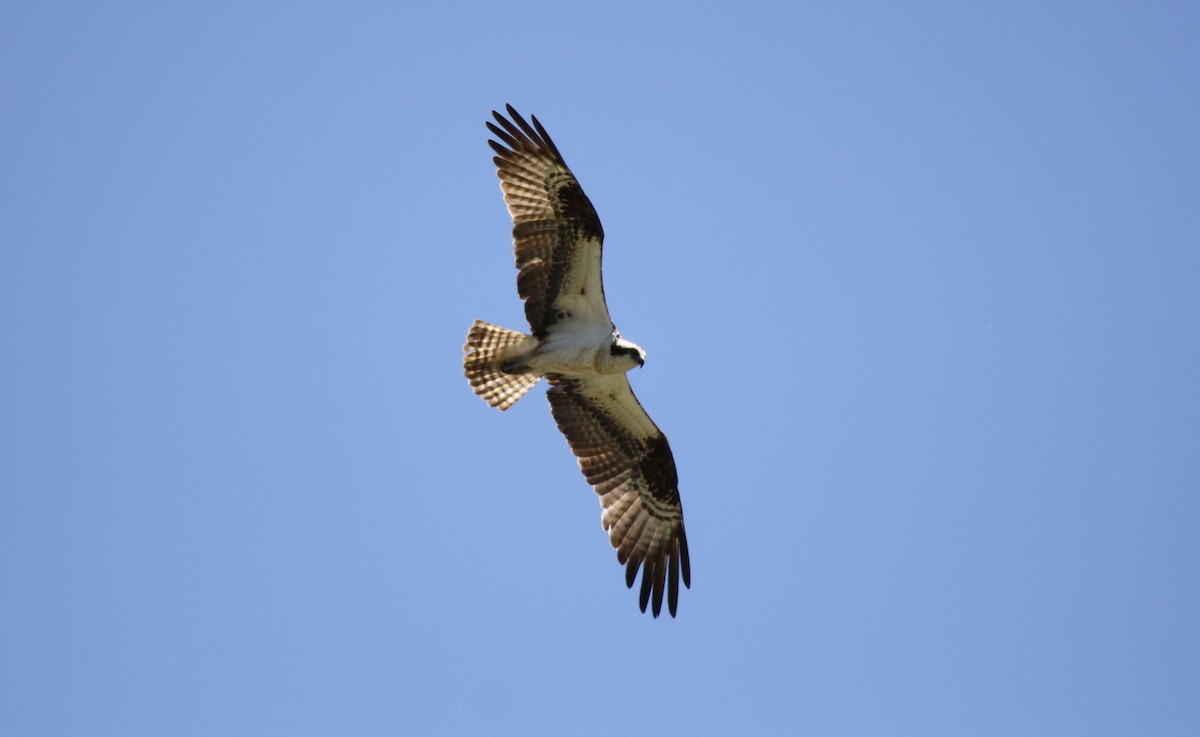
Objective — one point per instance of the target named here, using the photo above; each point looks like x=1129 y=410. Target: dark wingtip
x=673 y=583
x=644 y=596
x=534 y=136
x=685 y=563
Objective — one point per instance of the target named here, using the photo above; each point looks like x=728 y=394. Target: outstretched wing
x=555 y=228
x=627 y=460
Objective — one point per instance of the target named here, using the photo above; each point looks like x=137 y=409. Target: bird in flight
x=576 y=346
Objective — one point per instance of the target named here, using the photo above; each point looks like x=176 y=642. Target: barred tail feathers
x=488 y=347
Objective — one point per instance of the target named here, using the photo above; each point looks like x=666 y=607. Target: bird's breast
x=576 y=353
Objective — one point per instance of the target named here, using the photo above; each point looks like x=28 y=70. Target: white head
x=626 y=353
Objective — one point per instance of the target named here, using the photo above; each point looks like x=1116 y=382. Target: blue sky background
x=919 y=287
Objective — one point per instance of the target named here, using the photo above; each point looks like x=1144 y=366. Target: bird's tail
x=488 y=348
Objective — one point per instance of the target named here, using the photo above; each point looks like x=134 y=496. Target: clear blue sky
x=919 y=288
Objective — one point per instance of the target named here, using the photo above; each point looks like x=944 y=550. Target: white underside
x=576 y=348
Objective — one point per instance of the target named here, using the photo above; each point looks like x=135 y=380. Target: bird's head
x=622 y=349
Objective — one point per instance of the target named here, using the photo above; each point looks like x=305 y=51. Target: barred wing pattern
x=627 y=460
x=556 y=232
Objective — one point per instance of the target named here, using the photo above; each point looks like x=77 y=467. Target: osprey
x=576 y=346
